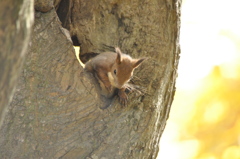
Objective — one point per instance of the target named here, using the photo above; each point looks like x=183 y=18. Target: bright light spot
x=232 y=153
x=214 y=112
x=208 y=156
x=202 y=43
x=230 y=71
x=77 y=52
x=184 y=149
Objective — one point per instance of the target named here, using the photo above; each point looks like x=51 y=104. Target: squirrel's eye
x=115 y=72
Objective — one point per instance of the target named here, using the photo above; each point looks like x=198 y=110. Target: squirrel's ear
x=137 y=62
x=119 y=55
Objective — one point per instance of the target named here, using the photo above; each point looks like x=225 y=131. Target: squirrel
x=113 y=71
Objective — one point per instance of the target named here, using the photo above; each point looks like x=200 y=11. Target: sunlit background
x=204 y=121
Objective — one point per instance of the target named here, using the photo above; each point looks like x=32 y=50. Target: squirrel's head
x=122 y=69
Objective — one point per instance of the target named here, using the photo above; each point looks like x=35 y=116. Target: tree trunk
x=56 y=109
x=16 y=19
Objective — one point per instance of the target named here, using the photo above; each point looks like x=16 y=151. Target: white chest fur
x=111 y=79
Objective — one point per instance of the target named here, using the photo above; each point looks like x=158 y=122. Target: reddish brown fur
x=107 y=64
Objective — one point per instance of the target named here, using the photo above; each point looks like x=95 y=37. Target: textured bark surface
x=43 y=5
x=16 y=19
x=55 y=112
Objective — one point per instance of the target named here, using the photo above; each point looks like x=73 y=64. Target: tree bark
x=16 y=19
x=56 y=110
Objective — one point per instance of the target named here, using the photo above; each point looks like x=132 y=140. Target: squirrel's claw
x=123 y=102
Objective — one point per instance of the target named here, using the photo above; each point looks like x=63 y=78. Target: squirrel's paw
x=122 y=98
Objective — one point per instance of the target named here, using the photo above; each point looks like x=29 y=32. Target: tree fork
x=55 y=112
